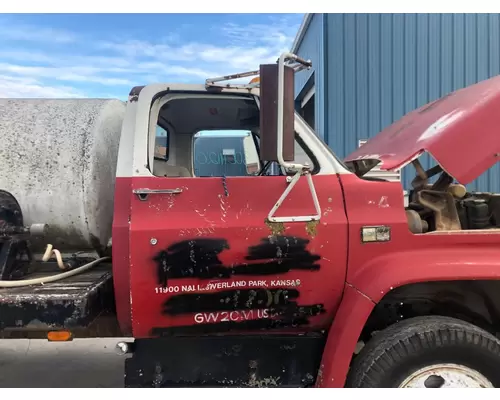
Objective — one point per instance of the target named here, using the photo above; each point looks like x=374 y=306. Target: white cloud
x=12 y=30
x=72 y=65
x=68 y=74
x=156 y=68
x=279 y=33
x=247 y=46
x=31 y=88
x=63 y=58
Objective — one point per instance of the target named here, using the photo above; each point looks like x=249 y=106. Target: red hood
x=461 y=131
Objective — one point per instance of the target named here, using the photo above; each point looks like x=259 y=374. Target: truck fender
x=354 y=310
x=372 y=281
x=395 y=269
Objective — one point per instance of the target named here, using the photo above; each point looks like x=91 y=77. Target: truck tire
x=428 y=352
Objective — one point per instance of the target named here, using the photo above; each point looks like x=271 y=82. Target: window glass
x=223 y=153
x=161 y=143
x=234 y=153
x=301 y=156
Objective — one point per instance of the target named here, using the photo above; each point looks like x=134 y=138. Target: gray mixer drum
x=58 y=158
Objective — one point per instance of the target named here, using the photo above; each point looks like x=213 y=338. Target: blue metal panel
x=379 y=67
x=374 y=67
x=336 y=54
x=361 y=74
x=311 y=48
x=349 y=83
x=388 y=71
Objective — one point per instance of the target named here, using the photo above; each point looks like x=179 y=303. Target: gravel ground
x=83 y=363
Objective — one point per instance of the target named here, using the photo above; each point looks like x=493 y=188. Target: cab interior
x=183 y=117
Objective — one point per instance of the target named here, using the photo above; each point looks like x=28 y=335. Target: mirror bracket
x=299 y=168
x=298 y=218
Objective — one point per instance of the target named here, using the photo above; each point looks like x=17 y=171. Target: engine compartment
x=448 y=206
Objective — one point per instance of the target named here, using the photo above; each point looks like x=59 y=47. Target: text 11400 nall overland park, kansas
x=227 y=285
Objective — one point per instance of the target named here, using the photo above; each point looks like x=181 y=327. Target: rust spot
x=311 y=228
x=277 y=228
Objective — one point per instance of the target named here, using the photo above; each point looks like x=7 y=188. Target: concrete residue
x=277 y=228
x=384 y=202
x=311 y=228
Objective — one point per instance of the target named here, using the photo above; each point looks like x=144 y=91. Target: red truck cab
x=303 y=271
x=214 y=256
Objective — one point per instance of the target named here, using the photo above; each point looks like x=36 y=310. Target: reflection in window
x=161 y=143
x=229 y=156
x=220 y=153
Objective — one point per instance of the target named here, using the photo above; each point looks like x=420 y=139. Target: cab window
x=223 y=153
x=161 y=144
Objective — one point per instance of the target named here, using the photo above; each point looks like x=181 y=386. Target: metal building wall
x=312 y=47
x=381 y=66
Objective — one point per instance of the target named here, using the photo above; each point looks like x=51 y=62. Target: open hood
x=461 y=131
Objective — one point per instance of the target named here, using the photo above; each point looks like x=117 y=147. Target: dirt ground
x=83 y=363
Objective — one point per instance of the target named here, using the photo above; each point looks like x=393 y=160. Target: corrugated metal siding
x=381 y=66
x=312 y=48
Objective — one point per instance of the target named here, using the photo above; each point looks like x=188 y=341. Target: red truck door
x=205 y=259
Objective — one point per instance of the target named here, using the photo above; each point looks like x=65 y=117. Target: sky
x=105 y=55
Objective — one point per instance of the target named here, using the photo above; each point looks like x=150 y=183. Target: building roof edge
x=302 y=31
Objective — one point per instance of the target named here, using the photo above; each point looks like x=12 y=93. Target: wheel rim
x=446 y=376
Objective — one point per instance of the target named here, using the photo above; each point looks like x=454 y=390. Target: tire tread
x=409 y=338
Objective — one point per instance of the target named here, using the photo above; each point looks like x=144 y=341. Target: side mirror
x=269 y=100
x=252 y=161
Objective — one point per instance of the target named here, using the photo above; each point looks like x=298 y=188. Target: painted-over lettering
x=229 y=303
x=199 y=258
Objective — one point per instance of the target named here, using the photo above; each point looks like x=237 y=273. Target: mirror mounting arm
x=297 y=218
x=299 y=169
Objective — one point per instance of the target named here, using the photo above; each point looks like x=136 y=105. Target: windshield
x=298 y=116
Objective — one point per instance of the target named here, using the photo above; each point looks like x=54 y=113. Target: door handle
x=143 y=194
